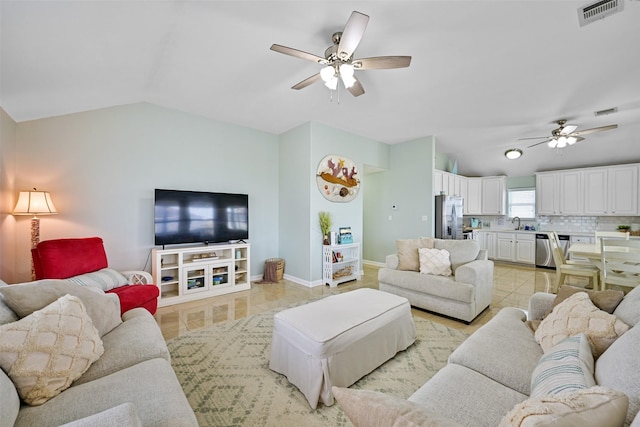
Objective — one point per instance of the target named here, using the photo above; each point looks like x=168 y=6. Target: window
x=521 y=202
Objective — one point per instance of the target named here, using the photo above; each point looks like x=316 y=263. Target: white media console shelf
x=196 y=272
x=340 y=263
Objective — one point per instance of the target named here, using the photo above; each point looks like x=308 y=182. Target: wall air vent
x=598 y=10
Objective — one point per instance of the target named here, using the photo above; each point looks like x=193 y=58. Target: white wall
x=7 y=197
x=102 y=166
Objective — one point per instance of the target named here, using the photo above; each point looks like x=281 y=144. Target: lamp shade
x=34 y=203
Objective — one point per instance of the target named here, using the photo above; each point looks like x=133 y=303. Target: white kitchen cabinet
x=473 y=198
x=611 y=190
x=559 y=193
x=525 y=251
x=493 y=195
x=464 y=188
x=487 y=240
x=505 y=246
x=437 y=182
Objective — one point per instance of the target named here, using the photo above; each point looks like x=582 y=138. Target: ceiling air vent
x=598 y=10
x=605 y=112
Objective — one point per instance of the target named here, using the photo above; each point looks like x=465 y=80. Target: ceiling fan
x=566 y=135
x=338 y=58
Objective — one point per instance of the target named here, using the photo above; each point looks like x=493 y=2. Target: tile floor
x=513 y=285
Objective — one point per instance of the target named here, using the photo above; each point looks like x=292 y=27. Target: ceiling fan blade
x=352 y=34
x=298 y=54
x=533 y=137
x=567 y=129
x=381 y=62
x=592 y=130
x=356 y=89
x=542 y=142
x=306 y=82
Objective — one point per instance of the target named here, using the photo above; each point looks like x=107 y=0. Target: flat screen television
x=200 y=217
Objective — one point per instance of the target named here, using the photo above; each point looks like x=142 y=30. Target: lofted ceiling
x=483 y=73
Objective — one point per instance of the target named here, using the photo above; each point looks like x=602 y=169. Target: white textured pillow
x=592 y=407
x=105 y=279
x=434 y=261
x=46 y=351
x=577 y=314
x=566 y=368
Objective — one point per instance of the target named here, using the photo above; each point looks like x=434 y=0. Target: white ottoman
x=337 y=340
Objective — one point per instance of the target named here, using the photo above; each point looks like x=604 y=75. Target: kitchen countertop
x=560 y=232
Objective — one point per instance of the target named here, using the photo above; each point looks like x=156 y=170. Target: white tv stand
x=191 y=273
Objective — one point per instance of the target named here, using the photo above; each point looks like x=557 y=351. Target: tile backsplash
x=578 y=224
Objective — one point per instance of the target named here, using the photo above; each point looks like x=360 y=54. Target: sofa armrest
x=477 y=272
x=539 y=304
x=137 y=277
x=392 y=262
x=483 y=255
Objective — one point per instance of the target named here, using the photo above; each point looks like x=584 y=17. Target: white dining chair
x=564 y=269
x=620 y=263
x=611 y=235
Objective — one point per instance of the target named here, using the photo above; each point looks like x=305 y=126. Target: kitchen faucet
x=518 y=218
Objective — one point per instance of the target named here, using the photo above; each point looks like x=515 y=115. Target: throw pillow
x=577 y=314
x=592 y=407
x=606 y=300
x=26 y=298
x=407 y=250
x=566 y=368
x=105 y=279
x=369 y=408
x=434 y=261
x=46 y=351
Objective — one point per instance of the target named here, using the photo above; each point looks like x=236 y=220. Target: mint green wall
x=8 y=197
x=441 y=162
x=521 y=181
x=407 y=184
x=294 y=232
x=102 y=166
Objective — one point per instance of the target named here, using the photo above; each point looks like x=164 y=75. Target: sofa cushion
x=46 y=351
x=577 y=314
x=104 y=279
x=26 y=298
x=460 y=251
x=566 y=368
x=627 y=310
x=466 y=396
x=434 y=261
x=518 y=356
x=137 y=339
x=408 y=252
x=592 y=407
x=151 y=386
x=9 y=401
x=619 y=368
x=439 y=286
x=124 y=415
x=367 y=408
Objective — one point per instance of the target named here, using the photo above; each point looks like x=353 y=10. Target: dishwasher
x=544 y=257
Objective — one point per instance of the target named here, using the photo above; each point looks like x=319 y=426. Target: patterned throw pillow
x=577 y=314
x=592 y=407
x=435 y=261
x=566 y=368
x=46 y=351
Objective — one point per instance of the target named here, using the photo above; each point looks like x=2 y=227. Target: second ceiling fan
x=566 y=135
x=338 y=59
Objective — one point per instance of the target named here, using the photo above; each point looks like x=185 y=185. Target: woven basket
x=279 y=267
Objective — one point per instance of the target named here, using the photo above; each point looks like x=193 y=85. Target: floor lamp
x=34 y=203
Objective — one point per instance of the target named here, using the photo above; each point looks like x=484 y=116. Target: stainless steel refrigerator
x=448 y=217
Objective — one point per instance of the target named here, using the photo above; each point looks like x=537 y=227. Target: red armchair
x=84 y=261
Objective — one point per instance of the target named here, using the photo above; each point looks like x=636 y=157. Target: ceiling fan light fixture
x=346 y=74
x=571 y=140
x=553 y=143
x=513 y=154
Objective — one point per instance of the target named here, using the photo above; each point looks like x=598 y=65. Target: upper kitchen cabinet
x=611 y=190
x=437 y=182
x=473 y=197
x=559 y=193
x=493 y=195
x=451 y=184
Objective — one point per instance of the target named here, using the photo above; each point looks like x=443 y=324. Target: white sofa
x=490 y=373
x=463 y=295
x=132 y=382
